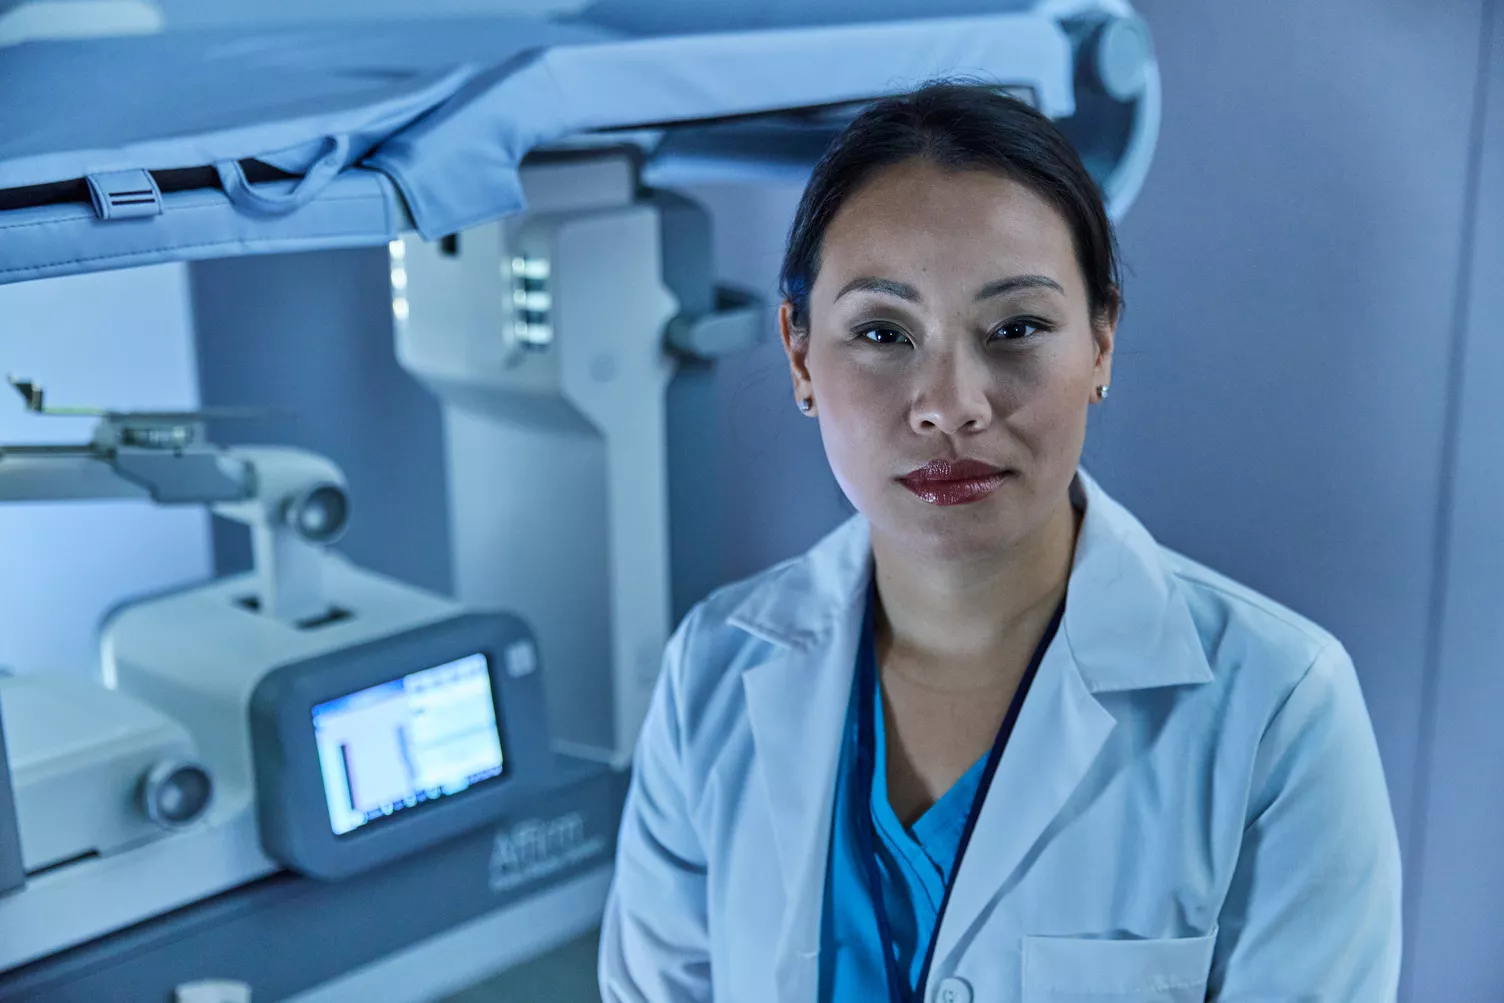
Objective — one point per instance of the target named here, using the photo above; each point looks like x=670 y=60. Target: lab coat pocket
x=1071 y=970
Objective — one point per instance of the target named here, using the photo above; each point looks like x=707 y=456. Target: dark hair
x=961 y=126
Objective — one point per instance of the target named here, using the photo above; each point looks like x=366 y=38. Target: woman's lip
x=955 y=492
x=949 y=471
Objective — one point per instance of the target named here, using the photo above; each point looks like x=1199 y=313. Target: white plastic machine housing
x=196 y=656
x=78 y=754
x=544 y=337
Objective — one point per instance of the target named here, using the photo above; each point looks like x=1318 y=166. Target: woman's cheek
x=856 y=438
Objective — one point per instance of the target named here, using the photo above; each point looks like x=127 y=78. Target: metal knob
x=319 y=515
x=175 y=793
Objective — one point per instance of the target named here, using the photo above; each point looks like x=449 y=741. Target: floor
x=563 y=975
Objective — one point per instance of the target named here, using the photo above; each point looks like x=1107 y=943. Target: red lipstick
x=953 y=482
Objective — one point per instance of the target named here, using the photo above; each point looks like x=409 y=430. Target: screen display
x=420 y=738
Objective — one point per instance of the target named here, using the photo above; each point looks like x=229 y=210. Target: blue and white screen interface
x=395 y=746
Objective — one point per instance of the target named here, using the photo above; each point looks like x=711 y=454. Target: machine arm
x=160 y=456
x=295 y=502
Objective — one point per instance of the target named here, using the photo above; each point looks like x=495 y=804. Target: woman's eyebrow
x=1008 y=285
x=904 y=291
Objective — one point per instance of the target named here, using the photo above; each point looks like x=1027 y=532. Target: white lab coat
x=1191 y=805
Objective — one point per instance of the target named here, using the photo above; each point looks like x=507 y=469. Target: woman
x=988 y=741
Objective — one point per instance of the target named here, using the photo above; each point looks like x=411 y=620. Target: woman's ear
x=1105 y=331
x=796 y=347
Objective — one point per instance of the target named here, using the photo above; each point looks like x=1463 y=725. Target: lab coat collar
x=1126 y=623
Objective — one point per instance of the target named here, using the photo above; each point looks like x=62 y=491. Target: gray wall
x=1459 y=915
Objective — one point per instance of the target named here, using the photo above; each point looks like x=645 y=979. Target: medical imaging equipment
x=308 y=715
x=340 y=785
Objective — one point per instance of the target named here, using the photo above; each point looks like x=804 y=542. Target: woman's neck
x=952 y=621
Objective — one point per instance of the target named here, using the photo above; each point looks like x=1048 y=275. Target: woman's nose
x=952 y=395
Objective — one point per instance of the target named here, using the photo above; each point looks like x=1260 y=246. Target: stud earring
x=1102 y=392
x=806 y=404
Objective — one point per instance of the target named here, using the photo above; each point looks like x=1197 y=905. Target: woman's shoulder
x=1243 y=630
x=719 y=608
x=786 y=603
x=786 y=608
x=709 y=647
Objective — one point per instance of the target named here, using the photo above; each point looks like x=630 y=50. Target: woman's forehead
x=923 y=221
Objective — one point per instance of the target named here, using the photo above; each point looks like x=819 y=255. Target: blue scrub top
x=914 y=862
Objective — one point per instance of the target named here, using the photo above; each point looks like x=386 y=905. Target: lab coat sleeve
x=1313 y=912
x=654 y=941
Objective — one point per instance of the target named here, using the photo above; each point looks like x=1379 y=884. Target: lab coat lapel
x=796 y=707
x=1059 y=732
x=1126 y=627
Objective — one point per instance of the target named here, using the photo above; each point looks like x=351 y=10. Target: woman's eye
x=1017 y=330
x=882 y=335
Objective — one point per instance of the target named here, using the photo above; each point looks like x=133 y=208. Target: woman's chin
x=950 y=533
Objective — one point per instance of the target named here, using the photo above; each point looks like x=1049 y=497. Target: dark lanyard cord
x=898 y=991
